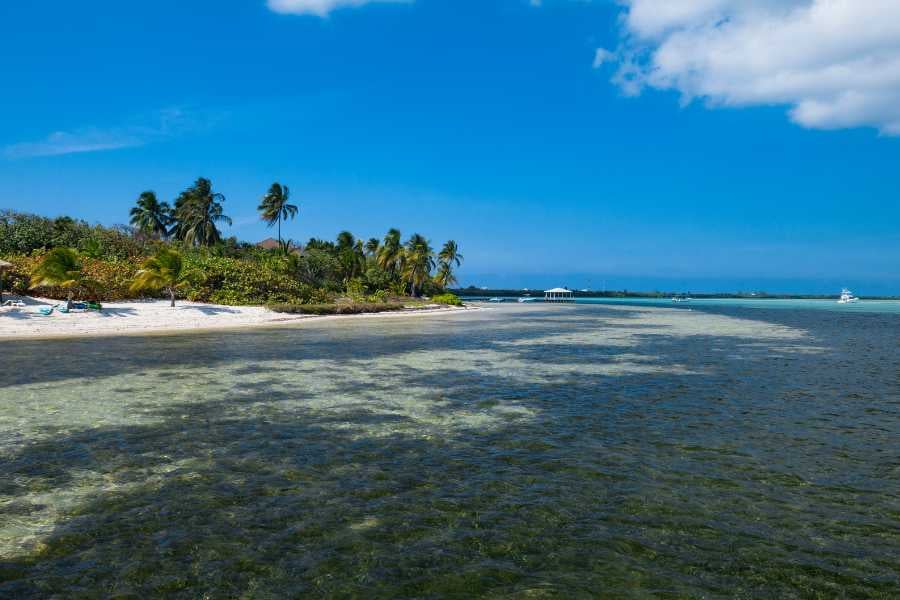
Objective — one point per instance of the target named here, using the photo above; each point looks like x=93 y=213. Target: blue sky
x=497 y=123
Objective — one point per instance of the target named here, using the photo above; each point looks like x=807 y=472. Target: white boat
x=681 y=298
x=847 y=297
x=495 y=300
x=527 y=299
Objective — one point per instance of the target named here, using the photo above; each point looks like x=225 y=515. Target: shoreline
x=156 y=317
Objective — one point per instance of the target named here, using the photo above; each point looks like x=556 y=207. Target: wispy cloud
x=321 y=8
x=140 y=131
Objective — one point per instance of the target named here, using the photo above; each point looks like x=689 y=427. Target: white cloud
x=143 y=130
x=835 y=63
x=320 y=8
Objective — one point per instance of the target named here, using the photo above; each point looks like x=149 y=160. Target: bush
x=379 y=297
x=110 y=280
x=23 y=234
x=237 y=282
x=336 y=309
x=448 y=299
x=356 y=290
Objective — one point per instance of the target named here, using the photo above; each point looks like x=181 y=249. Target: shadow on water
x=720 y=482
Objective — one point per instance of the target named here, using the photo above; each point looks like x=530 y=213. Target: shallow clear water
x=524 y=451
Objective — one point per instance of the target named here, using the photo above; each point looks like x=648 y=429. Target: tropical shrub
x=165 y=271
x=22 y=233
x=448 y=299
x=241 y=282
x=102 y=280
x=336 y=309
x=356 y=290
x=379 y=297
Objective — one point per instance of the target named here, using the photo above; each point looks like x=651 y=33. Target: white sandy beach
x=157 y=316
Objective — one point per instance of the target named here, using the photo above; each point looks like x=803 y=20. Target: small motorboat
x=527 y=299
x=847 y=297
x=680 y=299
x=495 y=300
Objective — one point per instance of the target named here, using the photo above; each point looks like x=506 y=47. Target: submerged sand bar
x=157 y=316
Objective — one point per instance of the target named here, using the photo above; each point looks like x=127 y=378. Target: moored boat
x=847 y=297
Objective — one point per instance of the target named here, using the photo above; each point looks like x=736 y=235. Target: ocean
x=616 y=450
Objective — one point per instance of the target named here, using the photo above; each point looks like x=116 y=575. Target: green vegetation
x=275 y=206
x=178 y=251
x=60 y=268
x=151 y=217
x=337 y=309
x=165 y=271
x=198 y=210
x=448 y=299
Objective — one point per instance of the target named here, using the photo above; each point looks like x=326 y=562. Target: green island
x=178 y=251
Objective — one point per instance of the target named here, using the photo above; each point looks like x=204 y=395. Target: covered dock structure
x=559 y=295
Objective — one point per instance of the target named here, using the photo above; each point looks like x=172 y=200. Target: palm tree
x=197 y=210
x=372 y=247
x=275 y=207
x=345 y=240
x=418 y=262
x=448 y=257
x=391 y=252
x=151 y=217
x=61 y=267
x=165 y=271
x=450 y=254
x=445 y=277
x=351 y=254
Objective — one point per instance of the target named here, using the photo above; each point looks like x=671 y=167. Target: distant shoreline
x=469 y=294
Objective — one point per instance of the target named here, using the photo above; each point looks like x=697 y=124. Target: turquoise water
x=536 y=451
x=863 y=306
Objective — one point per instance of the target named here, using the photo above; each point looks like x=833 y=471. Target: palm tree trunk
x=172 y=297
x=279 y=228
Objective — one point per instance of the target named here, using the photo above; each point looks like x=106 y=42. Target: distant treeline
x=472 y=291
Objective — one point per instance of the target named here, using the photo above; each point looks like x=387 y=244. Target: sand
x=157 y=316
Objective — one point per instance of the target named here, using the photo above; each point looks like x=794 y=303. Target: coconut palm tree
x=450 y=254
x=275 y=207
x=150 y=216
x=61 y=267
x=165 y=271
x=418 y=262
x=351 y=254
x=345 y=240
x=445 y=276
x=372 y=247
x=448 y=257
x=391 y=251
x=197 y=211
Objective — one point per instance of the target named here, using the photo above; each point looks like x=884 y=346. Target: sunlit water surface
x=523 y=451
